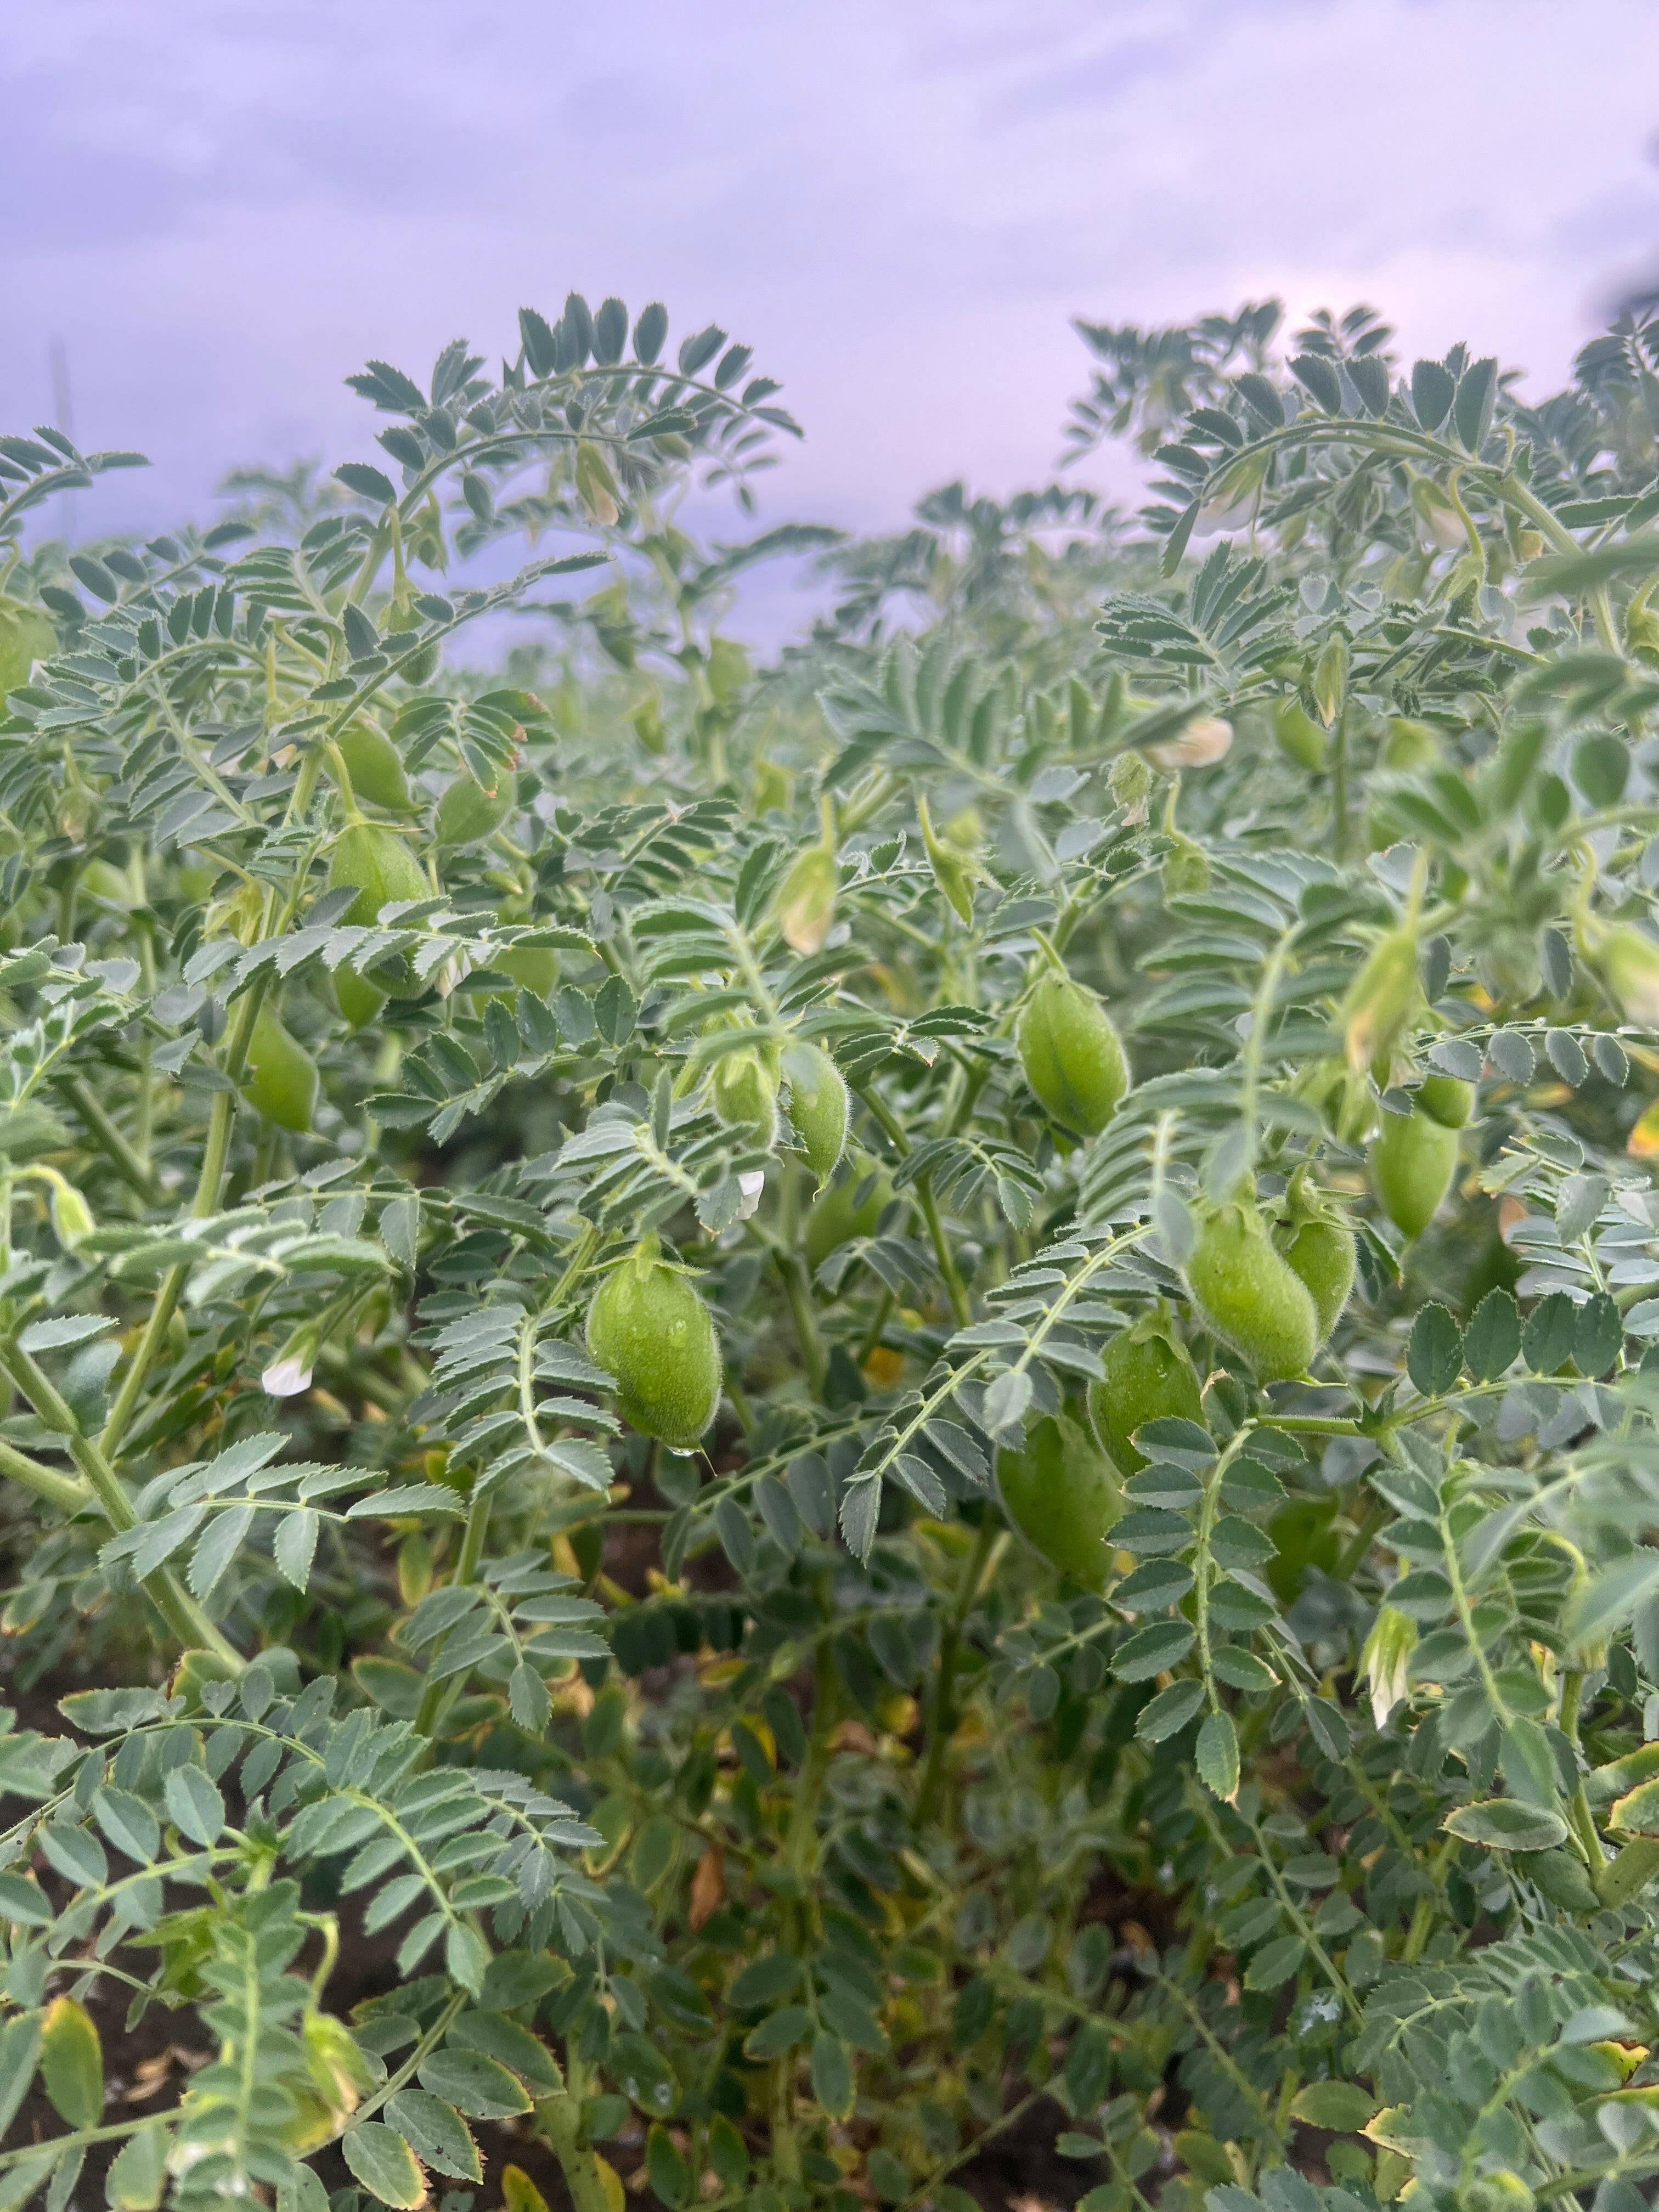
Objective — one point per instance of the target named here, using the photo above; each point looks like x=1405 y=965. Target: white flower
x=1200 y=744
x=286 y=1378
x=751 y=1182
x=1384 y=1660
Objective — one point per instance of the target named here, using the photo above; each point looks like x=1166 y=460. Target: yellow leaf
x=519 y=2193
x=72 y=2063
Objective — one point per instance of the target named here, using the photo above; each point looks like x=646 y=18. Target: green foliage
x=572 y=1237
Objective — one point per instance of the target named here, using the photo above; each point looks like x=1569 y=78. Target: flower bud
x=334 y=2062
x=1203 y=742
x=1384 y=1660
x=1300 y=738
x=71 y=1216
x=1626 y=959
x=1380 y=998
x=954 y=872
x=1185 y=868
x=744 y=1090
x=1130 y=782
x=289 y=1374
x=596 y=486
x=1330 y=679
x=805 y=906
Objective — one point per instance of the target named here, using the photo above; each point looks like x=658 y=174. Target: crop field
x=872 y=1425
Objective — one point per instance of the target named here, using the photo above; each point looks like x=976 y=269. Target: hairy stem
x=466 y=1571
x=181 y=1612
x=941 y=1717
x=121 y=1155
x=209 y=1183
x=1578 y=1811
x=559 y=2119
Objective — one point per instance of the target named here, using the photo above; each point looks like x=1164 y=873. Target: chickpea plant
x=881 y=1430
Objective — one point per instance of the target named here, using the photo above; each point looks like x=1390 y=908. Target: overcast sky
x=221 y=207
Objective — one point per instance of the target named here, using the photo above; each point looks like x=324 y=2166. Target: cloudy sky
x=220 y=207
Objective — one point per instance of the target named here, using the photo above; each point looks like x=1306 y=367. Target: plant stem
x=785 y=2147
x=561 y=2120
x=1304 y=1926
x=121 y=1154
x=208 y=1184
x=466 y=1571
x=1360 y=1543
x=879 y=1321
x=961 y=1304
x=1340 y=788
x=793 y=1272
x=801 y=1837
x=59 y=1490
x=1578 y=1811
x=181 y=1612
x=1418 y=1934
x=941 y=1719
x=1512 y=490
x=796 y=1287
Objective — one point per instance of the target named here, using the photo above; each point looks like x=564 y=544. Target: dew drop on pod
x=1149 y=1376
x=651 y=1332
x=818 y=1106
